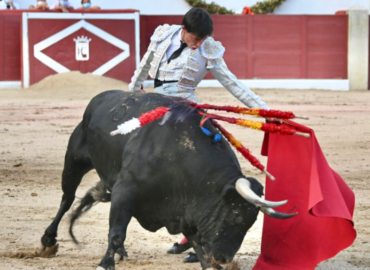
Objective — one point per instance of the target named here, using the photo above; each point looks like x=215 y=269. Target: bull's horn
x=243 y=186
x=272 y=213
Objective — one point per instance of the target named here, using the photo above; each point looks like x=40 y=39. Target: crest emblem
x=82 y=48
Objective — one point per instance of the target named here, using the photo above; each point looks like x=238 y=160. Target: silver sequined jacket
x=184 y=69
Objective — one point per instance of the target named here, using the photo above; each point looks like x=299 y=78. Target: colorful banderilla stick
x=257 y=112
x=266 y=127
x=244 y=151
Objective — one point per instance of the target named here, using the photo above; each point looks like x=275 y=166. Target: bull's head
x=236 y=213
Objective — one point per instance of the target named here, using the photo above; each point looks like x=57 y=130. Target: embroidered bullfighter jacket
x=190 y=67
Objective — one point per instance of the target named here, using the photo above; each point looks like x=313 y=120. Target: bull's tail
x=94 y=195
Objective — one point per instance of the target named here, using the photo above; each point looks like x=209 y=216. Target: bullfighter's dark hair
x=199 y=22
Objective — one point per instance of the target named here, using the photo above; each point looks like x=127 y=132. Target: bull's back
x=99 y=103
x=111 y=108
x=103 y=114
x=179 y=143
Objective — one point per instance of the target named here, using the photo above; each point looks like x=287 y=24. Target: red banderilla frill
x=144 y=119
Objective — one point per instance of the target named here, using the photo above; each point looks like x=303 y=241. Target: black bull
x=167 y=174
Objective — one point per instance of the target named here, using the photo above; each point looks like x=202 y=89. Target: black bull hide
x=167 y=174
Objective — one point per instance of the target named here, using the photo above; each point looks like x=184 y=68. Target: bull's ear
x=229 y=191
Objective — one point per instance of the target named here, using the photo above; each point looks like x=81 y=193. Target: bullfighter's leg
x=122 y=205
x=77 y=164
x=178 y=248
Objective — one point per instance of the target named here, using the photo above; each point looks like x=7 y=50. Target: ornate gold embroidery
x=187 y=81
x=188 y=73
x=212 y=49
x=187 y=84
x=164 y=31
x=158 y=56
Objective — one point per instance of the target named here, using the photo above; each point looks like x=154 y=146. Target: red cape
x=325 y=204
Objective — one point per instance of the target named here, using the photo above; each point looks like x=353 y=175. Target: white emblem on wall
x=82 y=48
x=59 y=68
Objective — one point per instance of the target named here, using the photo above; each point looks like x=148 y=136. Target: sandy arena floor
x=35 y=125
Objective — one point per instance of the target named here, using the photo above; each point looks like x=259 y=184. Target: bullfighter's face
x=192 y=40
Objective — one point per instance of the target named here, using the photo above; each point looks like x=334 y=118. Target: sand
x=35 y=125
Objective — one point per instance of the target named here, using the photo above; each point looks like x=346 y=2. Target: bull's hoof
x=48 y=241
x=120 y=255
x=216 y=267
x=47 y=252
x=106 y=264
x=102 y=268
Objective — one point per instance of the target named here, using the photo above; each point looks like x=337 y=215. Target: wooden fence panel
x=260 y=46
x=230 y=30
x=10 y=47
x=327 y=47
x=274 y=47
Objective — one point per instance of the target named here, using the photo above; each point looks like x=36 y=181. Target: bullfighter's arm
x=238 y=89
x=142 y=72
x=213 y=51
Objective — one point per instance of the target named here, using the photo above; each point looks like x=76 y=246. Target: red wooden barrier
x=10 y=46
x=260 y=46
x=271 y=47
x=327 y=39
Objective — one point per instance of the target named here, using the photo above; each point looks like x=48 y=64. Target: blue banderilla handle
x=216 y=138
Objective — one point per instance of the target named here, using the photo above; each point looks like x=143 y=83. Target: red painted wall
x=274 y=47
x=260 y=46
x=10 y=46
x=327 y=46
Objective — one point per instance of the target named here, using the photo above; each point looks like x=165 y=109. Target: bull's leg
x=122 y=205
x=77 y=164
x=121 y=254
x=204 y=260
